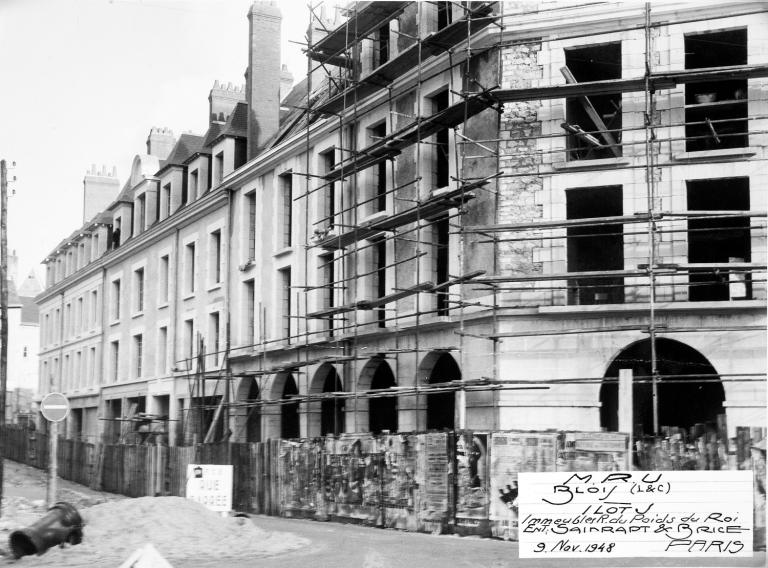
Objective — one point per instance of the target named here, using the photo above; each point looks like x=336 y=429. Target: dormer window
x=219 y=167
x=192 y=187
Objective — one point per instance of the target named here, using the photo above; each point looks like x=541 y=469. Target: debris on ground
x=178 y=528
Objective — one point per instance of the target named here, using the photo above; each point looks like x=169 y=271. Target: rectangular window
x=214 y=337
x=45 y=332
x=79 y=321
x=444 y=15
x=116 y=299
x=68 y=319
x=379 y=251
x=94 y=318
x=165 y=280
x=328 y=281
x=77 y=376
x=379 y=171
x=719 y=240
x=92 y=367
x=141 y=213
x=167 y=200
x=327 y=163
x=440 y=150
x=215 y=256
x=138 y=282
x=189 y=264
x=595 y=248
x=115 y=360
x=249 y=289
x=285 y=301
x=95 y=246
x=381 y=46
x=219 y=167
x=286 y=205
x=189 y=343
x=193 y=183
x=138 y=354
x=593 y=123
x=162 y=351
x=250 y=207
x=716 y=111
x=440 y=237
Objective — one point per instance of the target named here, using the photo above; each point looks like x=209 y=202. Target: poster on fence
x=300 y=475
x=351 y=478
x=512 y=453
x=471 y=480
x=210 y=485
x=433 y=477
x=400 y=495
x=636 y=514
x=593 y=451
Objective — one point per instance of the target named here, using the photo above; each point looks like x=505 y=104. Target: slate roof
x=186 y=146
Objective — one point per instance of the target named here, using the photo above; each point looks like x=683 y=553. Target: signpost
x=54 y=408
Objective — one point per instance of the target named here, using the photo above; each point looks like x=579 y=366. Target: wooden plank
x=593 y=115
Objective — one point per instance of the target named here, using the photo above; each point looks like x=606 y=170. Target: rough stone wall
x=521 y=184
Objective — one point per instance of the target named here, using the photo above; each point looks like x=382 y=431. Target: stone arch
x=284 y=387
x=682 y=401
x=143 y=166
x=382 y=411
x=248 y=416
x=440 y=367
x=325 y=380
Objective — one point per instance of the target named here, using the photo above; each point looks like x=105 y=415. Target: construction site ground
x=279 y=541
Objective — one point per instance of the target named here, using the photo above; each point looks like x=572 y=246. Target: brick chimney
x=100 y=188
x=263 y=76
x=223 y=99
x=160 y=142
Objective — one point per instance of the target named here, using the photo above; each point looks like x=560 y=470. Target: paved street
x=350 y=546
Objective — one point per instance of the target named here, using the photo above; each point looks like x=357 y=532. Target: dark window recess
x=380 y=279
x=444 y=16
x=382 y=411
x=441 y=234
x=716 y=112
x=378 y=133
x=240 y=152
x=328 y=161
x=332 y=409
x=594 y=123
x=289 y=414
x=184 y=191
x=441 y=406
x=329 y=278
x=595 y=248
x=253 y=421
x=381 y=46
x=721 y=240
x=440 y=162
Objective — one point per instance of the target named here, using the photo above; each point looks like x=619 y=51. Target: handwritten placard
x=640 y=513
x=210 y=485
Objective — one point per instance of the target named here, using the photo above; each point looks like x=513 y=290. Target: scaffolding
x=380 y=248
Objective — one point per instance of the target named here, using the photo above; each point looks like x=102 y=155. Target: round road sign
x=55 y=407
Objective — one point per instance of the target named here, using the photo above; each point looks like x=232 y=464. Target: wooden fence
x=138 y=471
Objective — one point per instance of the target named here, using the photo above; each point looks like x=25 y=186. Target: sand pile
x=178 y=528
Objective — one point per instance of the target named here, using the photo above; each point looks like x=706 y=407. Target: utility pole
x=3 y=310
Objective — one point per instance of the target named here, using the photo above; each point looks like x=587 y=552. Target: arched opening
x=289 y=412
x=253 y=413
x=683 y=401
x=382 y=411
x=442 y=368
x=332 y=409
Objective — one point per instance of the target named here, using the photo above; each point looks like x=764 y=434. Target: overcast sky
x=83 y=81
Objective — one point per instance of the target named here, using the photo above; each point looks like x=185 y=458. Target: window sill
x=707 y=155
x=214 y=287
x=188 y=296
x=162 y=305
x=137 y=314
x=283 y=251
x=114 y=322
x=602 y=163
x=250 y=263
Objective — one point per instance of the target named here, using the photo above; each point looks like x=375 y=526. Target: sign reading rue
x=210 y=485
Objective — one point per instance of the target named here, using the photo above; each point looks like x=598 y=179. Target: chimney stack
x=223 y=99
x=100 y=188
x=263 y=77
x=160 y=142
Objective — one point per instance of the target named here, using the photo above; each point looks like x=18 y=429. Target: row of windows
x=80 y=315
